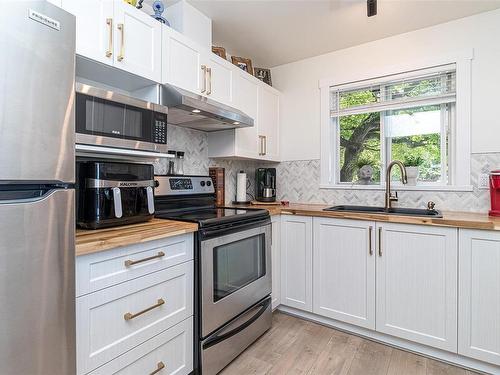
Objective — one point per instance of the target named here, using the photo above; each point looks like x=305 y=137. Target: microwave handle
x=151 y=200
x=117 y=202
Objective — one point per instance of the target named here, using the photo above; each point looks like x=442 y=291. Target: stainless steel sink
x=388 y=211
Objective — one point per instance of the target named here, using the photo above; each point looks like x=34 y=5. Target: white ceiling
x=276 y=32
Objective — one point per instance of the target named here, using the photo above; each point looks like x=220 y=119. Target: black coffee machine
x=111 y=193
x=265 y=184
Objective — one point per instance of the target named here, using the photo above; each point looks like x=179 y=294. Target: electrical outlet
x=484 y=181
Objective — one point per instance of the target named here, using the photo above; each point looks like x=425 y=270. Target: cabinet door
x=268 y=127
x=220 y=79
x=94 y=28
x=246 y=99
x=479 y=295
x=344 y=270
x=276 y=261
x=137 y=44
x=296 y=262
x=417 y=284
x=182 y=66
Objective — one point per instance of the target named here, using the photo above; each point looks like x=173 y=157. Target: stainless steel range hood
x=197 y=112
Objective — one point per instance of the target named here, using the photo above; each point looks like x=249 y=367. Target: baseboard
x=423 y=350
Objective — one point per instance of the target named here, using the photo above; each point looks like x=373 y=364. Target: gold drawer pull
x=129 y=263
x=160 y=366
x=129 y=316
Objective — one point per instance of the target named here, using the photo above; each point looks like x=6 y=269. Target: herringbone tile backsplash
x=298 y=181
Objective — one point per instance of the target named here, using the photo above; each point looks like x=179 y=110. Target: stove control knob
x=202 y=183
x=209 y=183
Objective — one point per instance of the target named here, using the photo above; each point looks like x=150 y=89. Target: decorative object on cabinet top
x=219 y=51
x=158 y=8
x=263 y=74
x=93 y=241
x=455 y=219
x=243 y=63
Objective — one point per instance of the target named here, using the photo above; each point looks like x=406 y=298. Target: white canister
x=241 y=187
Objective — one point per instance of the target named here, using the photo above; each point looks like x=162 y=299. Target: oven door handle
x=218 y=338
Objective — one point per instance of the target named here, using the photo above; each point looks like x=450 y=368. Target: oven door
x=235 y=274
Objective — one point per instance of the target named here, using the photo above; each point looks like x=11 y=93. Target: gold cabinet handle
x=129 y=316
x=159 y=366
x=129 y=262
x=204 y=70
x=370 y=250
x=109 y=52
x=380 y=241
x=261 y=145
x=121 y=56
x=209 y=74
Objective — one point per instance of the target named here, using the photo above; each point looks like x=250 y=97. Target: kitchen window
x=409 y=116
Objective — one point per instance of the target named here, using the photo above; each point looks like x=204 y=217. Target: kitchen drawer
x=116 y=319
x=107 y=268
x=172 y=349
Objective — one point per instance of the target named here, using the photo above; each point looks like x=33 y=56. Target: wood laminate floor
x=296 y=346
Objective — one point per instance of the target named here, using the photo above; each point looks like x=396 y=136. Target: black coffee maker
x=265 y=184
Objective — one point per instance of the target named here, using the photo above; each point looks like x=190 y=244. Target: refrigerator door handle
x=117 y=202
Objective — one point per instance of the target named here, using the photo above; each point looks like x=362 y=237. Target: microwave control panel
x=160 y=128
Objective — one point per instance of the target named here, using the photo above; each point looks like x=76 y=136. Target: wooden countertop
x=470 y=220
x=92 y=241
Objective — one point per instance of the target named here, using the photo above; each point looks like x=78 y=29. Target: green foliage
x=360 y=140
x=413 y=160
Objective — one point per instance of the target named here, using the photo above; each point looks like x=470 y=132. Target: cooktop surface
x=213 y=215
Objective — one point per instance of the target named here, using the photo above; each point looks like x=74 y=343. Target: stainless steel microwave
x=107 y=118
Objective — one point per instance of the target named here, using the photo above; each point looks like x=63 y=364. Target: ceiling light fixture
x=236 y=123
x=371 y=8
x=196 y=111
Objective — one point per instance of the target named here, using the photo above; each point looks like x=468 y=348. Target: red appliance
x=495 y=193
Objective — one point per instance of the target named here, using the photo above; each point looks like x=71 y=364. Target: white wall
x=298 y=81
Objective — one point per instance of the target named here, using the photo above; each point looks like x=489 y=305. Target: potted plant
x=365 y=166
x=412 y=162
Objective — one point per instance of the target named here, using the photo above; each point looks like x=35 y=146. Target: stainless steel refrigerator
x=37 y=161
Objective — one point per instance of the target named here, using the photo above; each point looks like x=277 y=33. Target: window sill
x=399 y=187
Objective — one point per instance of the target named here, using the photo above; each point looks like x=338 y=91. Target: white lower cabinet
x=479 y=295
x=344 y=270
x=140 y=312
x=276 y=261
x=296 y=262
x=170 y=352
x=417 y=284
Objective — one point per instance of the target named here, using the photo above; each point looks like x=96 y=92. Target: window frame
x=459 y=150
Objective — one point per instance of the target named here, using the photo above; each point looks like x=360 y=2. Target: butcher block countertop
x=470 y=220
x=92 y=241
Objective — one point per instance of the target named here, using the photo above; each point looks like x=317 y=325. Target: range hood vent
x=197 y=112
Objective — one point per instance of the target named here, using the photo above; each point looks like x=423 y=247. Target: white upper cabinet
x=260 y=142
x=268 y=123
x=417 y=284
x=296 y=261
x=116 y=33
x=94 y=28
x=182 y=62
x=479 y=295
x=344 y=270
x=219 y=77
x=137 y=46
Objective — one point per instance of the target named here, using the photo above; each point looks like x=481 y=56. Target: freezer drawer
x=37 y=291
x=37 y=65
